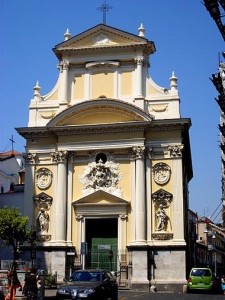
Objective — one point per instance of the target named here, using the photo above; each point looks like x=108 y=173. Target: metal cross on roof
x=12 y=141
x=104 y=8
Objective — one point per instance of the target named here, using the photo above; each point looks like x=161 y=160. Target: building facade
x=216 y=9
x=108 y=162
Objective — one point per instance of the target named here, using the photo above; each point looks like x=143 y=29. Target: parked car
x=200 y=279
x=91 y=284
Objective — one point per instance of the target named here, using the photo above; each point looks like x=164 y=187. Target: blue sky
x=187 y=42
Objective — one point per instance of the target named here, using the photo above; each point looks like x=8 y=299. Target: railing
x=119 y=263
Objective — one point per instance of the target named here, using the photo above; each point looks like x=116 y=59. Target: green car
x=200 y=279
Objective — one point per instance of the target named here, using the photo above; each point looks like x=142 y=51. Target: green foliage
x=13 y=227
x=50 y=279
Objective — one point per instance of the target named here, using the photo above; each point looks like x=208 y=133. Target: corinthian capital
x=139 y=60
x=138 y=152
x=59 y=156
x=176 y=151
x=63 y=65
x=30 y=158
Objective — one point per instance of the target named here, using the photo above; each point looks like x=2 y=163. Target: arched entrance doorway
x=102 y=242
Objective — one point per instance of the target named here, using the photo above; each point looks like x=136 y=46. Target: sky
x=187 y=42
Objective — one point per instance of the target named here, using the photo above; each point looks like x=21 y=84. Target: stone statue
x=161 y=218
x=43 y=220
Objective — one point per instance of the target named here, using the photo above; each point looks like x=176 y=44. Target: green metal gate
x=103 y=254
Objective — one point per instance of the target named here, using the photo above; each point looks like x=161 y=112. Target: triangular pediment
x=100 y=111
x=100 y=198
x=102 y=36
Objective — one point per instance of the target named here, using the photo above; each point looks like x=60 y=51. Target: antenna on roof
x=12 y=141
x=104 y=8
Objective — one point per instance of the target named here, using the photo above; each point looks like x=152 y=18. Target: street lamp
x=215 y=257
x=208 y=243
x=33 y=247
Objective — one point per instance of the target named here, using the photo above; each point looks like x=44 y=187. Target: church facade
x=108 y=162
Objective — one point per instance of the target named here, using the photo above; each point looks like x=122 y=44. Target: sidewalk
x=49 y=294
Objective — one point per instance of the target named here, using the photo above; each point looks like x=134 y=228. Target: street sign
x=84 y=249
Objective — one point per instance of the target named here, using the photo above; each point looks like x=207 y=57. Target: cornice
x=146 y=48
x=154 y=125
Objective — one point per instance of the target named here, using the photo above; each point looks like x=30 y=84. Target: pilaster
x=30 y=160
x=60 y=157
x=140 y=206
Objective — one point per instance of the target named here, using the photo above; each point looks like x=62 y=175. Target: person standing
x=223 y=284
x=30 y=283
x=41 y=284
x=13 y=284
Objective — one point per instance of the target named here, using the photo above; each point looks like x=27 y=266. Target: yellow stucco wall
x=77 y=185
x=125 y=182
x=102 y=85
x=102 y=118
x=126 y=83
x=53 y=96
x=78 y=87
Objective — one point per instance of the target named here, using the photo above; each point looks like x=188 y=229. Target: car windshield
x=200 y=272
x=85 y=276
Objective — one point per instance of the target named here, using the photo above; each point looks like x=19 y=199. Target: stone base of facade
x=52 y=259
x=154 y=288
x=158 y=269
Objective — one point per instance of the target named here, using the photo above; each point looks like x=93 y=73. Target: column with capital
x=140 y=205
x=71 y=157
x=30 y=160
x=176 y=153
x=139 y=61
x=133 y=191
x=60 y=157
x=63 y=83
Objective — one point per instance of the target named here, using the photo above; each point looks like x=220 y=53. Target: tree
x=13 y=232
x=13 y=228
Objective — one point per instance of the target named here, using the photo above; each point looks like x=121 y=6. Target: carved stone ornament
x=162 y=236
x=30 y=157
x=43 y=203
x=123 y=217
x=139 y=60
x=101 y=176
x=43 y=237
x=162 y=200
x=43 y=200
x=63 y=65
x=43 y=178
x=59 y=156
x=101 y=39
x=137 y=152
x=161 y=173
x=176 y=151
x=79 y=217
x=162 y=197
